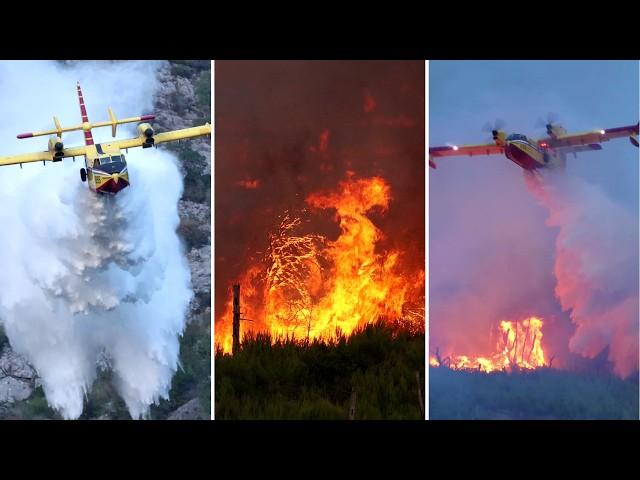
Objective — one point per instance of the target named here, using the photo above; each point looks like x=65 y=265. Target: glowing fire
x=519 y=346
x=309 y=287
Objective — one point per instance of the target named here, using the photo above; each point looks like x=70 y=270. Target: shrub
x=285 y=378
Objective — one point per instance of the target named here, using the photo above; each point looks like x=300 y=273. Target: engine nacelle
x=555 y=131
x=56 y=148
x=145 y=132
x=499 y=137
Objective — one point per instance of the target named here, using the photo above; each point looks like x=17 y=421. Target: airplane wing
x=160 y=137
x=45 y=156
x=464 y=150
x=589 y=139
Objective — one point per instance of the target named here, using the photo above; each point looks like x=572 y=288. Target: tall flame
x=519 y=346
x=307 y=287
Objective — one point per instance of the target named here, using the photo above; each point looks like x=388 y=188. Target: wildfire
x=519 y=346
x=248 y=184
x=309 y=287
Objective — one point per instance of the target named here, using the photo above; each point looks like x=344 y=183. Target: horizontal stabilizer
x=112 y=122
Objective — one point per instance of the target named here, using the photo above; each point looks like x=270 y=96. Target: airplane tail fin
x=86 y=126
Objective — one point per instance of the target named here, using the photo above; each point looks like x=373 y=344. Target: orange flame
x=519 y=347
x=309 y=287
x=249 y=184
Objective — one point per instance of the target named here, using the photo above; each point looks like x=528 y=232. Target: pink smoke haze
x=504 y=248
x=596 y=267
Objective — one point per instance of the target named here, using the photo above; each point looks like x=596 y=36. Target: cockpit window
x=517 y=136
x=106 y=160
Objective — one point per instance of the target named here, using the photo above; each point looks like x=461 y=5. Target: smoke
x=596 y=267
x=89 y=282
x=491 y=258
x=558 y=248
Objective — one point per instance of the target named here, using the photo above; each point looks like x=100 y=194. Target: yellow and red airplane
x=105 y=164
x=547 y=152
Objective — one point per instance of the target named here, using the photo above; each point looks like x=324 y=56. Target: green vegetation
x=3 y=339
x=192 y=233
x=197 y=177
x=202 y=87
x=34 y=408
x=198 y=73
x=292 y=379
x=103 y=401
x=540 y=394
x=193 y=379
x=189 y=68
x=197 y=187
x=204 y=300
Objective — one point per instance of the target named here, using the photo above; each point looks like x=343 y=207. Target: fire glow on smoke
x=310 y=287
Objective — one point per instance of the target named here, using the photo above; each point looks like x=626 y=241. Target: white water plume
x=84 y=278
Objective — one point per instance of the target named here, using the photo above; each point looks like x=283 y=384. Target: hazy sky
x=585 y=95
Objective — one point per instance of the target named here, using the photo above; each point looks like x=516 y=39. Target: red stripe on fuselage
x=88 y=138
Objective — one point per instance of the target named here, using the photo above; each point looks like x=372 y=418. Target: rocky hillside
x=183 y=100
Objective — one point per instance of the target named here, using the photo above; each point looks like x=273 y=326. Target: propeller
x=494 y=127
x=547 y=122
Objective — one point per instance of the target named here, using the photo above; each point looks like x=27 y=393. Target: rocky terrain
x=183 y=100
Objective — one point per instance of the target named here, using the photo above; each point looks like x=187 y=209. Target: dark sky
x=285 y=129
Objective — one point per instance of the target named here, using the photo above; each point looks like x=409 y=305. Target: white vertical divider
x=213 y=286
x=426 y=238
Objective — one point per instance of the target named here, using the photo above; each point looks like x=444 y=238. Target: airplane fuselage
x=106 y=171
x=107 y=174
x=528 y=154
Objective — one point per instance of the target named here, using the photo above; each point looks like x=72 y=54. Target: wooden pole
x=236 y=319
x=420 y=400
x=352 y=406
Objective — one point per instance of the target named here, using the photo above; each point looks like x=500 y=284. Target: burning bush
x=306 y=286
